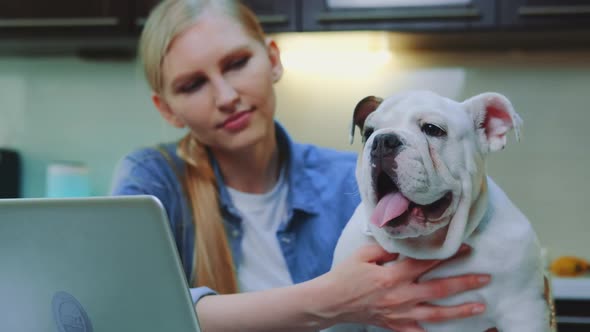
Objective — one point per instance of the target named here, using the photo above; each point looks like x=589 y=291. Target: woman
x=251 y=210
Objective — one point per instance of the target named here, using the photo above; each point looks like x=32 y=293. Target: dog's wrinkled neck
x=432 y=242
x=478 y=208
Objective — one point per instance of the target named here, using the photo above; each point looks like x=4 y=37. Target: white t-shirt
x=263 y=265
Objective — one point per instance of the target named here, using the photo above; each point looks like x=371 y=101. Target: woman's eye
x=367 y=133
x=237 y=63
x=192 y=85
x=433 y=130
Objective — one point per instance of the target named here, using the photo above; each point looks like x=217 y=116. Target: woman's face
x=218 y=81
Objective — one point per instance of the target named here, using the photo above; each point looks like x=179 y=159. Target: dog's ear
x=494 y=118
x=362 y=110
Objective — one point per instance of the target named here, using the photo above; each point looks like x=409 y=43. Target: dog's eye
x=433 y=130
x=367 y=132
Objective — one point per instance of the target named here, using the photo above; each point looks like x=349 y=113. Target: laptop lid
x=90 y=264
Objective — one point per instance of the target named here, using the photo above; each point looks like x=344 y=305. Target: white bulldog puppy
x=422 y=180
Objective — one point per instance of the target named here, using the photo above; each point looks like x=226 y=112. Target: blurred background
x=73 y=99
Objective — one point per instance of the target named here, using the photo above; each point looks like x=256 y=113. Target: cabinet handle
x=534 y=11
x=264 y=19
x=573 y=320
x=273 y=19
x=398 y=14
x=58 y=22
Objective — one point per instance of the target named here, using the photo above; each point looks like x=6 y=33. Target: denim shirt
x=322 y=197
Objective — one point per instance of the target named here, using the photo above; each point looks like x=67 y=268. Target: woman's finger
x=374 y=253
x=433 y=313
x=444 y=287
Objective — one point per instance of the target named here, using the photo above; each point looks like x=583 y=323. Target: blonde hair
x=213 y=264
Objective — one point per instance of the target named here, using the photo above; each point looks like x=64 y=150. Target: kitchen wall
x=66 y=108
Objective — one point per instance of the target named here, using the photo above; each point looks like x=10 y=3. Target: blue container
x=67 y=180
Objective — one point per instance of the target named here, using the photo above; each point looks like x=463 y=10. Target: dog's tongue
x=389 y=207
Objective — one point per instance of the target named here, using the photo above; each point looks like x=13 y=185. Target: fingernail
x=464 y=248
x=483 y=279
x=478 y=309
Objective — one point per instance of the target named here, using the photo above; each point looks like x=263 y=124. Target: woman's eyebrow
x=236 y=51
x=185 y=76
x=232 y=53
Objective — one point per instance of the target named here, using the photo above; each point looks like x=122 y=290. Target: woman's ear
x=274 y=55
x=166 y=112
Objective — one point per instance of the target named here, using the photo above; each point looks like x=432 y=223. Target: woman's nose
x=226 y=97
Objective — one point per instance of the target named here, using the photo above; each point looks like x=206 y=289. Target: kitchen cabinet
x=112 y=25
x=477 y=14
x=573 y=315
x=572 y=303
x=62 y=17
x=142 y=9
x=275 y=16
x=535 y=14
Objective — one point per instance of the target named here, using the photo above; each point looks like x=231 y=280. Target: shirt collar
x=303 y=190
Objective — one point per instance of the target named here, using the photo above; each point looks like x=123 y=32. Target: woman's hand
x=363 y=290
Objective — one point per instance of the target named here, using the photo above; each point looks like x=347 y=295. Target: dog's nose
x=384 y=144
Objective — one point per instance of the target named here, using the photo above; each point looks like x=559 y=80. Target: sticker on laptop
x=69 y=314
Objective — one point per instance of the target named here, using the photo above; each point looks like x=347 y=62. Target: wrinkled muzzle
x=395 y=210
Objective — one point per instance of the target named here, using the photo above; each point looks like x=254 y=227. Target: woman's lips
x=237 y=121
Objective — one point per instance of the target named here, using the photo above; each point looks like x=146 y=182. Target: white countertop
x=577 y=288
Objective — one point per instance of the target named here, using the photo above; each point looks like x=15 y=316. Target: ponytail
x=212 y=258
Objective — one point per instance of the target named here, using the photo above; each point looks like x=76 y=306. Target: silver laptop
x=90 y=265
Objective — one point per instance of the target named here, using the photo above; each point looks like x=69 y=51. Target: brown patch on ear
x=363 y=108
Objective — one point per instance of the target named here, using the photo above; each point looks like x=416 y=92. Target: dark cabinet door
x=63 y=17
x=275 y=16
x=477 y=14
x=572 y=315
x=142 y=9
x=545 y=13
